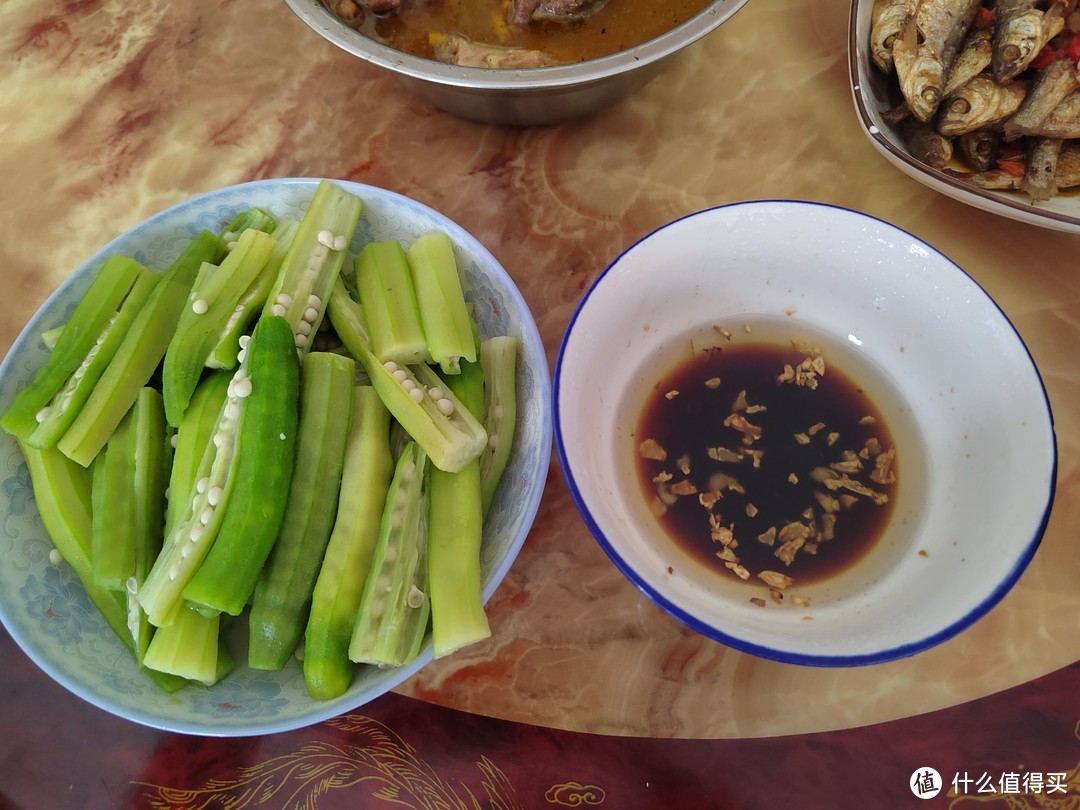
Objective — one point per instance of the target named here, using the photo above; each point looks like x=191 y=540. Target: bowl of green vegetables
x=266 y=455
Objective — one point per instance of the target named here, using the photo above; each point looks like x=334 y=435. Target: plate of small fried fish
x=978 y=99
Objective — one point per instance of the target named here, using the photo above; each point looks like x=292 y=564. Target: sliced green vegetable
x=340 y=585
x=498 y=356
x=50 y=337
x=68 y=403
x=394 y=610
x=62 y=494
x=80 y=335
x=254 y=218
x=253 y=300
x=112 y=521
x=455 y=530
x=282 y=598
x=190 y=443
x=389 y=303
x=212 y=301
x=446 y=322
x=139 y=354
x=314 y=261
x=265 y=442
x=188 y=647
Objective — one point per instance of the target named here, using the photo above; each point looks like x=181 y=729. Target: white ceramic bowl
x=953 y=379
x=870 y=92
x=46 y=610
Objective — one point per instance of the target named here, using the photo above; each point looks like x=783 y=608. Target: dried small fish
x=887 y=20
x=921 y=65
x=980 y=103
x=1020 y=33
x=1046 y=93
x=1066 y=176
x=1039 y=178
x=973 y=59
x=1063 y=122
x=978 y=149
x=926 y=144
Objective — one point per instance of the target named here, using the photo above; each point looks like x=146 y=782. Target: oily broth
x=620 y=25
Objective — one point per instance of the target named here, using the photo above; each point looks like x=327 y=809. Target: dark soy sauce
x=685 y=424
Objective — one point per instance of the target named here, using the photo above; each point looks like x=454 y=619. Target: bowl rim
x=388 y=679
x=319 y=18
x=1027 y=552
x=994 y=202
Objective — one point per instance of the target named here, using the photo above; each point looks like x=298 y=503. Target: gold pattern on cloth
x=575 y=794
x=378 y=760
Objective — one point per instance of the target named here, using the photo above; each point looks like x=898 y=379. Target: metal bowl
x=534 y=96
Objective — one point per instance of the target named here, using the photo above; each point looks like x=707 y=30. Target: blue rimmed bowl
x=962 y=396
x=44 y=607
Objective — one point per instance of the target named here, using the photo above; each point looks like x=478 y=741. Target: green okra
x=191 y=440
x=314 y=261
x=449 y=433
x=62 y=492
x=210 y=304
x=498 y=357
x=388 y=299
x=50 y=337
x=112 y=526
x=253 y=218
x=455 y=531
x=223 y=355
x=365 y=479
x=265 y=443
x=140 y=352
x=447 y=325
x=394 y=610
x=69 y=401
x=282 y=598
x=79 y=337
x=187 y=648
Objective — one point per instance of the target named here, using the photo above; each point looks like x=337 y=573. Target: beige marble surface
x=110 y=111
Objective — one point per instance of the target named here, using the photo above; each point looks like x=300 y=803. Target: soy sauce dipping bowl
x=949 y=373
x=43 y=605
x=534 y=96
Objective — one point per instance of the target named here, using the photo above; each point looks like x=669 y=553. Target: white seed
x=493 y=441
x=184 y=550
x=242 y=388
x=174 y=572
x=311 y=315
x=436 y=393
x=300 y=340
x=43 y=414
x=340 y=242
x=415 y=598
x=200 y=307
x=326 y=239
x=409 y=385
x=303 y=328
x=168 y=493
x=201 y=485
x=284 y=299
x=244 y=341
x=241 y=356
x=213 y=495
x=314 y=301
x=55 y=557
x=174 y=439
x=132 y=585
x=282 y=436
x=445 y=406
x=401 y=375
x=278 y=309
x=497 y=412
x=207 y=515
x=219 y=438
x=196 y=533
x=390 y=366
x=417 y=394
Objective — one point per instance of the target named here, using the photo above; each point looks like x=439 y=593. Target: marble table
x=111 y=111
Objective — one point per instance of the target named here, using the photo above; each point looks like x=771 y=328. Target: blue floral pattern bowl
x=44 y=607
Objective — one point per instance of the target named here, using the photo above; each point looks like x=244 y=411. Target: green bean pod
x=139 y=354
x=388 y=298
x=89 y=320
x=340 y=585
x=265 y=446
x=445 y=317
x=282 y=598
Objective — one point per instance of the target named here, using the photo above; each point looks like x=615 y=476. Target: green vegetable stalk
x=282 y=599
x=328 y=672
x=388 y=298
x=447 y=326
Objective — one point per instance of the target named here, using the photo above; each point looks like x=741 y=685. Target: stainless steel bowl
x=521 y=97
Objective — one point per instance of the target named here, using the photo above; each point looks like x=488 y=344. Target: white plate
x=870 y=92
x=953 y=379
x=45 y=608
